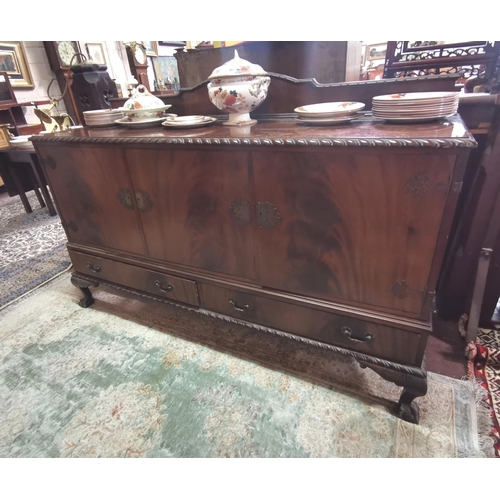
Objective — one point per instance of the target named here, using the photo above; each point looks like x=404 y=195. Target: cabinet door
x=195 y=208
x=356 y=227
x=94 y=196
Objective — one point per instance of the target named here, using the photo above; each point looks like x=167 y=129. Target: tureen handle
x=140 y=89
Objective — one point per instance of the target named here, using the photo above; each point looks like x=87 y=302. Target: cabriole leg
x=84 y=285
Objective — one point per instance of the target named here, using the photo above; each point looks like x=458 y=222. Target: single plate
x=329 y=109
x=174 y=124
x=187 y=119
x=150 y=122
x=326 y=121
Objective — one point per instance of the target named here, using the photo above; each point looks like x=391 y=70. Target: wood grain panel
x=192 y=221
x=85 y=182
x=393 y=344
x=161 y=284
x=356 y=226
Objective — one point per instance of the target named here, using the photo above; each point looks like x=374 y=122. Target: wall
x=116 y=59
x=42 y=75
x=118 y=70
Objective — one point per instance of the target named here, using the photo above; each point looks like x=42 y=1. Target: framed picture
x=151 y=48
x=173 y=44
x=376 y=51
x=167 y=73
x=13 y=61
x=96 y=52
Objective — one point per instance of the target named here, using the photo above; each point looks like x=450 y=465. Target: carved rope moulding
x=421 y=143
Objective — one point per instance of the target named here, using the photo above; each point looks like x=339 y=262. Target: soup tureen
x=143 y=105
x=238 y=87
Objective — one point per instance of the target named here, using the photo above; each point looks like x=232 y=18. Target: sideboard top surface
x=283 y=131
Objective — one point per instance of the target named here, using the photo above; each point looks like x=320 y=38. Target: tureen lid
x=237 y=67
x=142 y=99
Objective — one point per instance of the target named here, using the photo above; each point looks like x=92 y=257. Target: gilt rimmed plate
x=326 y=121
x=148 y=122
x=188 y=121
x=417 y=97
x=329 y=109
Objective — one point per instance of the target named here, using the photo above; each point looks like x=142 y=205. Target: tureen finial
x=236 y=56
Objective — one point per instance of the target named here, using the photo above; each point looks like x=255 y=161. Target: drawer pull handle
x=238 y=308
x=165 y=289
x=96 y=269
x=348 y=332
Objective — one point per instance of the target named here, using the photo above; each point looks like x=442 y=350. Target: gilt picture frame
x=376 y=51
x=95 y=51
x=13 y=60
x=151 y=48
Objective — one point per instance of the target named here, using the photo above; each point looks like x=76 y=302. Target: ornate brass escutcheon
x=267 y=215
x=241 y=213
x=125 y=198
x=144 y=201
x=400 y=289
x=418 y=185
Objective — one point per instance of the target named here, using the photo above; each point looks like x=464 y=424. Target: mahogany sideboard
x=332 y=236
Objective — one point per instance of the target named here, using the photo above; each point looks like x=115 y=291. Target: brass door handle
x=94 y=269
x=237 y=307
x=348 y=333
x=164 y=289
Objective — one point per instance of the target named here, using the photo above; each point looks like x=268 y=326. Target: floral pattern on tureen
x=143 y=104
x=238 y=87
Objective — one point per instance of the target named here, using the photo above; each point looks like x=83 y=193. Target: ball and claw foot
x=87 y=301
x=409 y=412
x=83 y=286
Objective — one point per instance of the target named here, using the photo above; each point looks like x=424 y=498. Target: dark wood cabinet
x=326 y=235
x=355 y=226
x=187 y=216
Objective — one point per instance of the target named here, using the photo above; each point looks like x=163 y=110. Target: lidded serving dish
x=238 y=87
x=143 y=105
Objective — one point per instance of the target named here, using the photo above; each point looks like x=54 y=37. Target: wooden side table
x=20 y=179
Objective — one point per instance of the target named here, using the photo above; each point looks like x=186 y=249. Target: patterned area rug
x=134 y=378
x=484 y=366
x=32 y=248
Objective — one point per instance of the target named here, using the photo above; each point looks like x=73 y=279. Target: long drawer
x=392 y=344
x=163 y=285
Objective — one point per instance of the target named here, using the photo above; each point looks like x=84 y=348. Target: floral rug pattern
x=32 y=247
x=130 y=378
x=484 y=366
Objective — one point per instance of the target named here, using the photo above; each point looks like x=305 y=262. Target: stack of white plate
x=191 y=121
x=21 y=141
x=415 y=107
x=329 y=113
x=102 y=117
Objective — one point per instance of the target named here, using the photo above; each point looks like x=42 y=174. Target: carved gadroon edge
x=409 y=370
x=235 y=141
